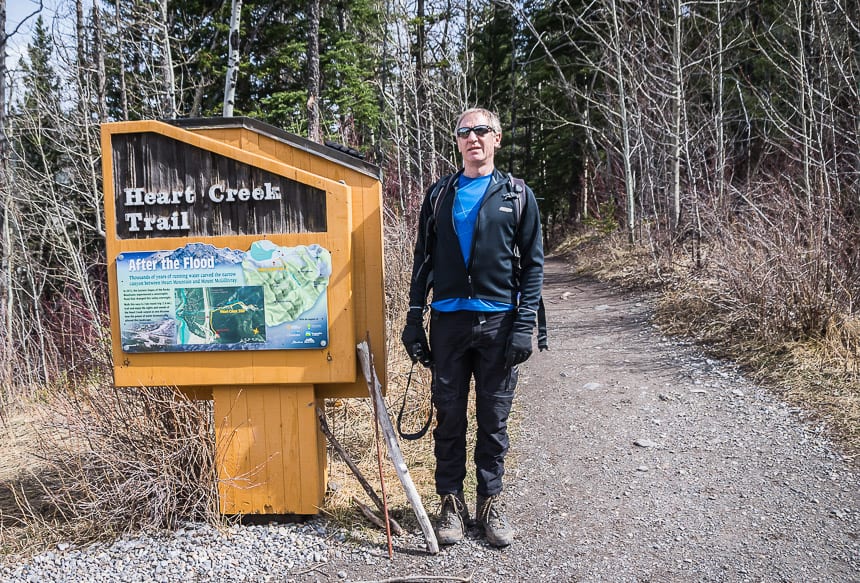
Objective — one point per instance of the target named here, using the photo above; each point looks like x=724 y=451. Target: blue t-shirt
x=467 y=203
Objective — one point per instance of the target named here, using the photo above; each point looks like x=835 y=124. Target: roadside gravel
x=192 y=553
x=637 y=458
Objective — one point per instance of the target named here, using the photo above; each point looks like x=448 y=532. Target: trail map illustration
x=292 y=278
x=202 y=298
x=221 y=315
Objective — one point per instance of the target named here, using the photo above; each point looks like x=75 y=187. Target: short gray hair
x=490 y=115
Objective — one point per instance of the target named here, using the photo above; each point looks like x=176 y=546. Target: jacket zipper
x=489 y=194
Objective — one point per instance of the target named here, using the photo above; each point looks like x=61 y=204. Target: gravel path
x=637 y=459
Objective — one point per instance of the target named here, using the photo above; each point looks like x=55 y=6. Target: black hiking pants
x=466 y=344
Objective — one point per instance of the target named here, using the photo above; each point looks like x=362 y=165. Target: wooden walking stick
x=394 y=452
x=376 y=425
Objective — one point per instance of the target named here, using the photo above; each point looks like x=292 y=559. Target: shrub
x=118 y=460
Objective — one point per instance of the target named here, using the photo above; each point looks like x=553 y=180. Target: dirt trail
x=639 y=459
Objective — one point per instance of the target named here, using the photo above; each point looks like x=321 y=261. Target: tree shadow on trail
x=558 y=273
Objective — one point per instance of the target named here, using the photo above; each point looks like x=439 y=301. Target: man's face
x=475 y=149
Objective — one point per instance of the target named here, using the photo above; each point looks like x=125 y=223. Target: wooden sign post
x=242 y=263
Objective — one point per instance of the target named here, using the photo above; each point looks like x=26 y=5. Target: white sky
x=19 y=10
x=16 y=11
x=59 y=18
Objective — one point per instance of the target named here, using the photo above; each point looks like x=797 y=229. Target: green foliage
x=38 y=111
x=349 y=91
x=285 y=109
x=495 y=53
x=272 y=82
x=521 y=82
x=604 y=220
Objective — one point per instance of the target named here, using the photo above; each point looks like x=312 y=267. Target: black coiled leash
x=421 y=432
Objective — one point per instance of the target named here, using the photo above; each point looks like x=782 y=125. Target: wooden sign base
x=271 y=452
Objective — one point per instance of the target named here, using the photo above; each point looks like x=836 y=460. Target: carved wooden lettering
x=166 y=188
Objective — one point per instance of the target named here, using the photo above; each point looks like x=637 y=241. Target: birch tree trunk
x=101 y=77
x=3 y=39
x=420 y=92
x=720 y=121
x=804 y=106
x=314 y=129
x=232 y=59
x=6 y=194
x=167 y=63
x=676 y=121
x=123 y=88
x=91 y=158
x=625 y=123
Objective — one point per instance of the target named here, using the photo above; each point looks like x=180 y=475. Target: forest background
x=707 y=149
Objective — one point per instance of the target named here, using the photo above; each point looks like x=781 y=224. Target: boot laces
x=490 y=513
x=452 y=511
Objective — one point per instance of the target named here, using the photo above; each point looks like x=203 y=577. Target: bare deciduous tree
x=232 y=75
x=314 y=129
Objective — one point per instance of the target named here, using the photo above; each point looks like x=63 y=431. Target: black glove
x=519 y=344
x=415 y=339
x=542 y=341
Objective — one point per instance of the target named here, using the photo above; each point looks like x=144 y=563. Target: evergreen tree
x=275 y=88
x=530 y=90
x=349 y=57
x=37 y=114
x=272 y=83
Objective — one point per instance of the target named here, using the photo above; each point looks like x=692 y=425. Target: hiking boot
x=453 y=517
x=493 y=521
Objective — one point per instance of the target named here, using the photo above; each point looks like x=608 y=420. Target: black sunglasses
x=480 y=131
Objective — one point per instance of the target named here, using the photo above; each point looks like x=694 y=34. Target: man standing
x=479 y=248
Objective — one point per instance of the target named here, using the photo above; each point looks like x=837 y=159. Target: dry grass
x=611 y=257
x=95 y=461
x=821 y=375
x=351 y=420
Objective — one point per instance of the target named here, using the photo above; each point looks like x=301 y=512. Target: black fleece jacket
x=493 y=272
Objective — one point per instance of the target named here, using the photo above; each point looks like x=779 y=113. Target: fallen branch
x=368 y=513
x=395 y=527
x=317 y=568
x=394 y=452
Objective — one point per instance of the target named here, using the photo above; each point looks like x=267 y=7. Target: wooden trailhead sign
x=244 y=266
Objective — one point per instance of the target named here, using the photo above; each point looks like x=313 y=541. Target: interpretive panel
x=203 y=298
